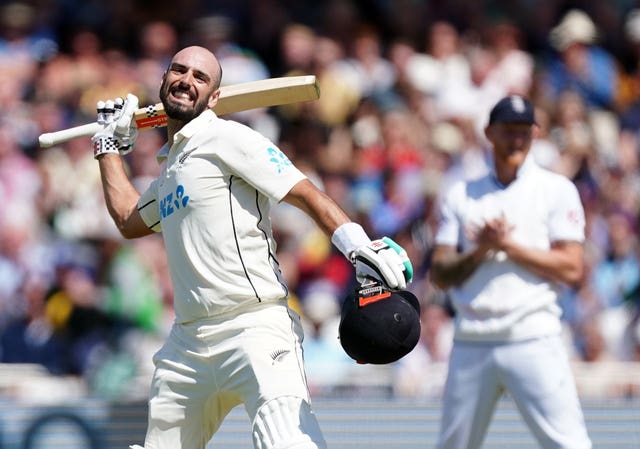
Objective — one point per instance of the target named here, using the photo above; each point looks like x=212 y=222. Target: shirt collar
x=527 y=167
x=187 y=131
x=194 y=125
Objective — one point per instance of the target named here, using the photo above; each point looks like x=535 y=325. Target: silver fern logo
x=186 y=155
x=278 y=355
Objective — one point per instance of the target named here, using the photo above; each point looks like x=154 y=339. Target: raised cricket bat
x=233 y=98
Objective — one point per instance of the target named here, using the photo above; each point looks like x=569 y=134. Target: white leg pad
x=287 y=423
x=135 y=446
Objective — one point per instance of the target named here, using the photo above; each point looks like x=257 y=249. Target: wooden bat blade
x=233 y=98
x=266 y=93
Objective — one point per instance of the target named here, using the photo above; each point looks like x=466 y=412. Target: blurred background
x=406 y=87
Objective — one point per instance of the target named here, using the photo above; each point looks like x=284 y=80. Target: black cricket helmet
x=379 y=326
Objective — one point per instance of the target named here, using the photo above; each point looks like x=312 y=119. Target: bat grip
x=49 y=139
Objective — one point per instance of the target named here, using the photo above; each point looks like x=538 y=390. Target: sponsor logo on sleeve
x=278 y=158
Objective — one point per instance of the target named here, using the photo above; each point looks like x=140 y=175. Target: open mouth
x=181 y=95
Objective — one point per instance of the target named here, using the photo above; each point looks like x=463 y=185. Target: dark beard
x=180 y=112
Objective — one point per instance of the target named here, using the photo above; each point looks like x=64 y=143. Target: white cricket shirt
x=212 y=204
x=501 y=301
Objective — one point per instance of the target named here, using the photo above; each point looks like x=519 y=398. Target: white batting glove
x=119 y=132
x=380 y=260
x=384 y=261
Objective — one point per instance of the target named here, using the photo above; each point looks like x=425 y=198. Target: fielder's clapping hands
x=119 y=132
x=380 y=260
x=493 y=238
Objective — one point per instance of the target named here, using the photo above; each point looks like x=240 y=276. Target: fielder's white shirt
x=212 y=204
x=501 y=301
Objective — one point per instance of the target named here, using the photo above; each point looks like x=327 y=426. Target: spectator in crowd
x=499 y=68
x=135 y=283
x=20 y=182
x=341 y=94
x=31 y=338
x=512 y=73
x=158 y=40
x=23 y=44
x=298 y=47
x=442 y=65
x=579 y=64
x=369 y=67
x=74 y=307
x=618 y=272
x=219 y=33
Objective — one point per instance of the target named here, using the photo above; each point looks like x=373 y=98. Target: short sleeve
x=449 y=225
x=258 y=161
x=567 y=221
x=148 y=207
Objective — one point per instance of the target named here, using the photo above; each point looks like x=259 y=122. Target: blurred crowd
x=406 y=88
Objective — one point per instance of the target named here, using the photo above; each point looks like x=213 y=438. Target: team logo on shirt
x=278 y=355
x=186 y=155
x=574 y=217
x=277 y=157
x=173 y=201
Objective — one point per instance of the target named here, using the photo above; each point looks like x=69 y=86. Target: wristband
x=349 y=236
x=104 y=145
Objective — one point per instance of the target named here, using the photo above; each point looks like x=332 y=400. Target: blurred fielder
x=504 y=242
x=234 y=340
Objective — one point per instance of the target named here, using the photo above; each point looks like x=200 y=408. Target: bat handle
x=49 y=139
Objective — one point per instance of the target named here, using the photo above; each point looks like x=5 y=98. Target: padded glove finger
x=126 y=130
x=404 y=257
x=382 y=261
x=100 y=110
x=118 y=131
x=108 y=111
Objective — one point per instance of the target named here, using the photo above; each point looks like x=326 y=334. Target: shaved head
x=202 y=59
x=191 y=83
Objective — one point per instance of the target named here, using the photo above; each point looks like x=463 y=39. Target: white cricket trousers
x=208 y=367
x=536 y=374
